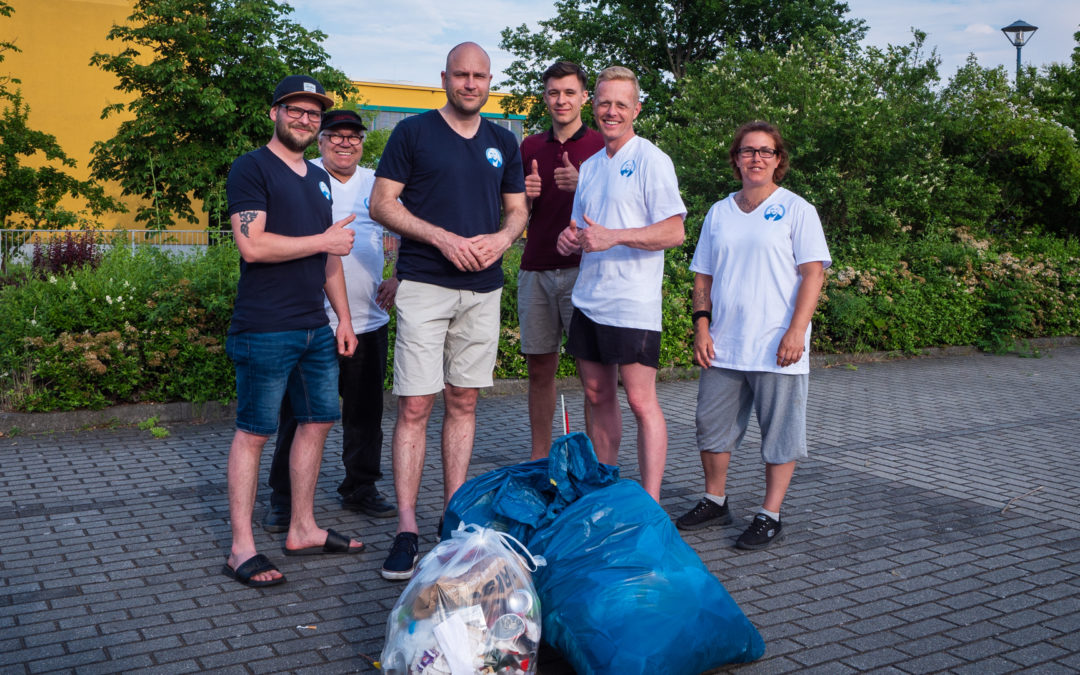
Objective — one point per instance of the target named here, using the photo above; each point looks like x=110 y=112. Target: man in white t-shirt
x=627 y=211
x=361 y=376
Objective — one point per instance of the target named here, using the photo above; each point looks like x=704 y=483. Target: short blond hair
x=619 y=73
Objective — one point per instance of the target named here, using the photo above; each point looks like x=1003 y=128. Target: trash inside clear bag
x=470 y=607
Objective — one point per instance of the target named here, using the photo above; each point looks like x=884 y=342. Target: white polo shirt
x=635 y=188
x=753 y=259
x=363 y=266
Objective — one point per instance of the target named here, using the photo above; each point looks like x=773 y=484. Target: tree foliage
x=660 y=40
x=202 y=74
x=876 y=145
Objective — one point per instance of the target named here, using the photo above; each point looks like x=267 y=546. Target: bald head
x=463 y=49
x=467 y=79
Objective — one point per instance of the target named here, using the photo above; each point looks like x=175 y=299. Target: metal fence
x=17 y=246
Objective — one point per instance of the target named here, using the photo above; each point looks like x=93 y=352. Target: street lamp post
x=1018 y=33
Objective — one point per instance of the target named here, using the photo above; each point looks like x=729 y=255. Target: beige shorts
x=444 y=336
x=544 y=308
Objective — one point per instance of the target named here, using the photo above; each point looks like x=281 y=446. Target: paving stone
x=898 y=560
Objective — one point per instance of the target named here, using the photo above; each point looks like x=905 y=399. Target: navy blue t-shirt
x=456 y=183
x=286 y=295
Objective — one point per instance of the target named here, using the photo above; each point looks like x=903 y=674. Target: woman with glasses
x=759 y=267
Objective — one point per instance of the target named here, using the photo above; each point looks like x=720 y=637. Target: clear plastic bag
x=470 y=608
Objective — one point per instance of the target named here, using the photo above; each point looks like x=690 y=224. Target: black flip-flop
x=256 y=564
x=335 y=543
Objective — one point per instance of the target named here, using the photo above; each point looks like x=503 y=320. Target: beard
x=289 y=137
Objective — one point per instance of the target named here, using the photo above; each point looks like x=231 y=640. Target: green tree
x=1024 y=164
x=31 y=196
x=1057 y=91
x=859 y=127
x=202 y=73
x=660 y=40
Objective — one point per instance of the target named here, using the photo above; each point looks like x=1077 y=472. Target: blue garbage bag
x=621 y=591
x=522 y=498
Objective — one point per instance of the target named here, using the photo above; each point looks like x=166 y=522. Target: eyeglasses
x=746 y=152
x=341 y=139
x=296 y=112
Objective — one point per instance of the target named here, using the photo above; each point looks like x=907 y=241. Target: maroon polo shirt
x=551 y=210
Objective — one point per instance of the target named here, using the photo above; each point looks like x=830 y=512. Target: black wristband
x=700 y=313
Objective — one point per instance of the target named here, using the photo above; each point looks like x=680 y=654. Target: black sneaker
x=372 y=504
x=401 y=562
x=277 y=518
x=705 y=512
x=763 y=531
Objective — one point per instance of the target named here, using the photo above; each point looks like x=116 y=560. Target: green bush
x=148 y=326
x=141 y=326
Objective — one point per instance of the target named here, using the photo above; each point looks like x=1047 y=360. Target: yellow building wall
x=414 y=97
x=64 y=92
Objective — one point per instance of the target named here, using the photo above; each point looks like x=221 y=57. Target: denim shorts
x=301 y=363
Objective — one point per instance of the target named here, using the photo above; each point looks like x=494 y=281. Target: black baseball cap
x=301 y=85
x=341 y=118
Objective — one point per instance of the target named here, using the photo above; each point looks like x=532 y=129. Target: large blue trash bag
x=623 y=593
x=521 y=498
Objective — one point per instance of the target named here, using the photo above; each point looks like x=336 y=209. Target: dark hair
x=564 y=68
x=778 y=141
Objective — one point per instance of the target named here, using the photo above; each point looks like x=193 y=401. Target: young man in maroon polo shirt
x=546 y=279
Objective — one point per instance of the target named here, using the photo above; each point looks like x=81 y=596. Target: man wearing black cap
x=361 y=376
x=279 y=338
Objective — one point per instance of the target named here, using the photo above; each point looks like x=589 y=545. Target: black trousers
x=360 y=384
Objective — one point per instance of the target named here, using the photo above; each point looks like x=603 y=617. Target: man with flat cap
x=361 y=376
x=279 y=339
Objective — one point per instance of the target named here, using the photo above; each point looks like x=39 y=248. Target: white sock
x=719 y=501
x=775 y=516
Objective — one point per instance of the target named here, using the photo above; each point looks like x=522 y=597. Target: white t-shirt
x=363 y=266
x=753 y=259
x=635 y=188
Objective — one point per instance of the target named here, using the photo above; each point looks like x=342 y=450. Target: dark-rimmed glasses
x=746 y=152
x=341 y=139
x=296 y=112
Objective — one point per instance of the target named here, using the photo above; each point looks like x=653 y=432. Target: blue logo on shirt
x=494 y=157
x=774 y=212
x=627 y=168
x=324 y=189
x=366 y=206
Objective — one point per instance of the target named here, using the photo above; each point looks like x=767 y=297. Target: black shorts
x=596 y=342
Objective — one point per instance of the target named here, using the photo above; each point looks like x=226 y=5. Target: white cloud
x=980 y=28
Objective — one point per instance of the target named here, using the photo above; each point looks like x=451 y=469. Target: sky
x=407 y=40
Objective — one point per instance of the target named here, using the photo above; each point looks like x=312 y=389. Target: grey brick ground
x=899 y=557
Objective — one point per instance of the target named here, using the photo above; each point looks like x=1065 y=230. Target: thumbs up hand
x=532 y=182
x=566 y=176
x=339 y=239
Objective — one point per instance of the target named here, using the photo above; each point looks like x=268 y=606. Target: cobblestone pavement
x=935 y=528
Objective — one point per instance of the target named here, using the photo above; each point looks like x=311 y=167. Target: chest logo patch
x=774 y=212
x=325 y=189
x=367 y=205
x=627 y=168
x=494 y=157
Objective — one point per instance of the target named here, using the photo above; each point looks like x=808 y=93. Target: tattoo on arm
x=700 y=299
x=246 y=218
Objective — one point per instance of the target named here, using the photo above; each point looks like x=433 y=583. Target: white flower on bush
x=74 y=287
x=108 y=299
x=52 y=279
